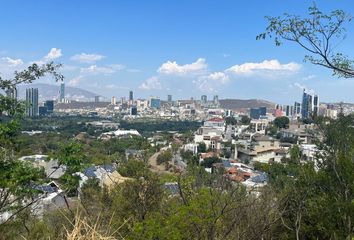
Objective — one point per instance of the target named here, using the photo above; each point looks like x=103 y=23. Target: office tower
x=204 y=99
x=287 y=111
x=263 y=111
x=62 y=92
x=133 y=111
x=155 y=102
x=297 y=108
x=97 y=99
x=113 y=100
x=49 y=104
x=310 y=104
x=12 y=93
x=131 y=96
x=216 y=99
x=42 y=110
x=316 y=105
x=32 y=102
x=255 y=113
x=169 y=98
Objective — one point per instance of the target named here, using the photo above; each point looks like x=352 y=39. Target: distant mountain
x=50 y=91
x=245 y=104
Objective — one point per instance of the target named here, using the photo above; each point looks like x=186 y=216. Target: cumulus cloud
x=75 y=81
x=114 y=87
x=152 y=83
x=54 y=53
x=196 y=67
x=94 y=69
x=212 y=82
x=87 y=58
x=267 y=66
x=12 y=62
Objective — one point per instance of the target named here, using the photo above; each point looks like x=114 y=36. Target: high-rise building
x=97 y=99
x=216 y=99
x=155 y=102
x=310 y=104
x=113 y=100
x=62 y=92
x=32 y=102
x=49 y=104
x=204 y=99
x=255 y=113
x=131 y=96
x=169 y=98
x=297 y=109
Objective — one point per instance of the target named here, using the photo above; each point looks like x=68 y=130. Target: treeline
x=147 y=127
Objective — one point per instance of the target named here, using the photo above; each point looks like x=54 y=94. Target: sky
x=186 y=48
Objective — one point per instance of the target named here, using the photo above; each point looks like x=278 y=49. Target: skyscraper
x=297 y=109
x=32 y=102
x=169 y=98
x=204 y=99
x=310 y=104
x=131 y=96
x=97 y=98
x=62 y=92
x=216 y=99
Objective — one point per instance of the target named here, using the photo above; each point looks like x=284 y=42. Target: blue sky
x=185 y=48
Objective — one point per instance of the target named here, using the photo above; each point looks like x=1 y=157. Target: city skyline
x=184 y=49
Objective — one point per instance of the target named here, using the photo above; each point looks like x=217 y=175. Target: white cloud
x=12 y=62
x=196 y=67
x=212 y=82
x=219 y=77
x=94 y=69
x=267 y=66
x=87 y=58
x=75 y=81
x=54 y=53
x=151 y=84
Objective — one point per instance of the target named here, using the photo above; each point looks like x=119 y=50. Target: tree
x=245 y=120
x=202 y=147
x=17 y=178
x=72 y=156
x=295 y=153
x=319 y=34
x=281 y=122
x=164 y=157
x=230 y=121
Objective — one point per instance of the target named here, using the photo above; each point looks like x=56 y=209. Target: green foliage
x=230 y=121
x=202 y=147
x=281 y=122
x=72 y=156
x=17 y=178
x=245 y=120
x=295 y=153
x=133 y=168
x=208 y=162
x=147 y=127
x=318 y=34
x=164 y=157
